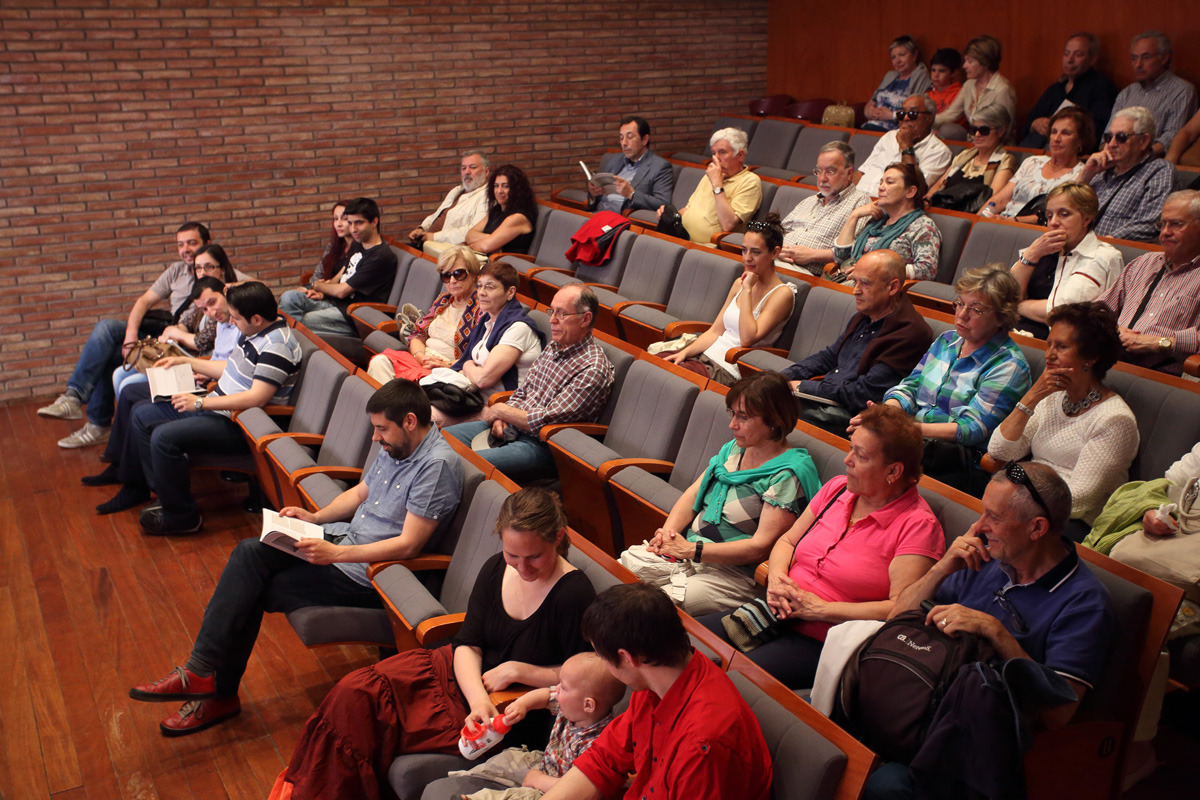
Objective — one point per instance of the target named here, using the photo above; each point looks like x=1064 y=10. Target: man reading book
x=408 y=493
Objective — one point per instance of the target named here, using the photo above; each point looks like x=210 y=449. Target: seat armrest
x=503 y=698
x=531 y=273
x=735 y=354
x=683 y=326
x=436 y=629
x=588 y=428
x=989 y=464
x=654 y=465
x=278 y=411
x=386 y=308
x=760 y=574
x=717 y=237
x=306 y=439
x=499 y=397
x=261 y=444
x=388 y=326
x=522 y=256
x=425 y=561
x=337 y=473
x=619 y=307
x=604 y=286
x=1192 y=366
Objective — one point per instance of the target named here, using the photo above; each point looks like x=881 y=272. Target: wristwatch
x=908 y=151
x=1026 y=261
x=699 y=552
x=199 y=404
x=1166 y=342
x=719 y=190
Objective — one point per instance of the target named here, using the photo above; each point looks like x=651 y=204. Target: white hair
x=1140 y=116
x=735 y=136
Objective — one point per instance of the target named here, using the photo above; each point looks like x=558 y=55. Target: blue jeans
x=91 y=379
x=891 y=781
x=126 y=377
x=320 y=316
x=528 y=458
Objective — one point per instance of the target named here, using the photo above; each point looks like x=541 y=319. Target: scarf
x=465 y=323
x=717 y=481
x=512 y=312
x=886 y=233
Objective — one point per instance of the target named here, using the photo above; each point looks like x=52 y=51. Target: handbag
x=145 y=353
x=453 y=401
x=1035 y=207
x=1174 y=559
x=962 y=194
x=671 y=223
x=839 y=116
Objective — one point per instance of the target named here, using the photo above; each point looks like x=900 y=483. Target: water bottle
x=473 y=745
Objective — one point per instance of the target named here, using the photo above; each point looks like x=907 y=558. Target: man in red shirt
x=687 y=732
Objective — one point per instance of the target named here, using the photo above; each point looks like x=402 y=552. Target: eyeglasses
x=1018 y=622
x=828 y=171
x=1172 y=224
x=972 y=312
x=741 y=417
x=554 y=313
x=459 y=274
x=982 y=130
x=1121 y=138
x=1017 y=474
x=902 y=115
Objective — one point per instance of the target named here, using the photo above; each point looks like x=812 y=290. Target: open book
x=282 y=533
x=812 y=398
x=601 y=180
x=167 y=381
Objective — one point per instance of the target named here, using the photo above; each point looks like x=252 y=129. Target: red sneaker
x=196 y=715
x=181 y=684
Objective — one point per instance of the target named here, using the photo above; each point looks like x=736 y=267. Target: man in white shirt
x=912 y=143
x=462 y=207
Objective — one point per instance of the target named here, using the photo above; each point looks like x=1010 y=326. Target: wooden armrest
x=619 y=307
x=386 y=308
x=715 y=239
x=589 y=428
x=300 y=438
x=760 y=574
x=529 y=274
x=683 y=326
x=989 y=464
x=499 y=397
x=521 y=256
x=278 y=411
x=388 y=326
x=337 y=473
x=504 y=697
x=654 y=465
x=735 y=354
x=261 y=444
x=603 y=286
x=1192 y=366
x=435 y=629
x=829 y=267
x=425 y=561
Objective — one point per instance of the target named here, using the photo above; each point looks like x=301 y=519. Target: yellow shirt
x=744 y=191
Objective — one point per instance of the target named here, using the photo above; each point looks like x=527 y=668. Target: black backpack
x=892 y=686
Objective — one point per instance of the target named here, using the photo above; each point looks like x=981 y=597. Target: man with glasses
x=569 y=382
x=463 y=206
x=642 y=179
x=1170 y=98
x=911 y=143
x=1157 y=296
x=1130 y=183
x=810 y=227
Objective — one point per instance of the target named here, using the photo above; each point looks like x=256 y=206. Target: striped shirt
x=271 y=355
x=565 y=384
x=1170 y=98
x=1131 y=202
x=1173 y=309
x=816 y=225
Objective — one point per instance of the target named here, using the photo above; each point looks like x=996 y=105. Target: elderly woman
x=862 y=540
x=502 y=347
x=896 y=221
x=1069 y=419
x=522 y=622
x=943 y=73
x=1067 y=263
x=984 y=87
x=727 y=522
x=907 y=76
x=512 y=214
x=981 y=170
x=968 y=381
x=438 y=337
x=1072 y=136
x=756 y=309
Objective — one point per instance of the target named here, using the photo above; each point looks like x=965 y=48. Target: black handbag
x=962 y=194
x=453 y=401
x=671 y=223
x=1035 y=208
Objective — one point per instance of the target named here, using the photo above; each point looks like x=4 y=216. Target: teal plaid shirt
x=976 y=393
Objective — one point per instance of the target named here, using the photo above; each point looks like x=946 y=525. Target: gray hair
x=482 y=156
x=1140 y=116
x=1161 y=39
x=1000 y=287
x=1093 y=41
x=846 y=151
x=1189 y=196
x=995 y=115
x=907 y=42
x=1050 y=487
x=735 y=136
x=930 y=106
x=587 y=301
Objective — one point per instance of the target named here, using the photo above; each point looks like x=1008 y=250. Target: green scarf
x=717 y=480
x=886 y=233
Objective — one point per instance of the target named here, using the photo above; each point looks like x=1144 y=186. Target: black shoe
x=128 y=497
x=155 y=522
x=106 y=478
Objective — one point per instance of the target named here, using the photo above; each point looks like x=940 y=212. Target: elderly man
x=1131 y=184
x=810 y=227
x=882 y=343
x=408 y=494
x=569 y=382
x=1080 y=84
x=1015 y=581
x=728 y=195
x=913 y=143
x=643 y=180
x=1170 y=98
x=1157 y=296
x=462 y=207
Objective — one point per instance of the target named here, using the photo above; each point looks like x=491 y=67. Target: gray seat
x=1168 y=420
x=699 y=290
x=808 y=144
x=748 y=125
x=772 y=143
x=992 y=242
x=862 y=143
x=552 y=244
x=649 y=272
x=783 y=201
x=321 y=489
x=378 y=341
x=1130 y=251
x=954 y=232
x=822 y=320
x=539 y=227
x=764 y=204
x=686 y=182
x=372 y=317
x=609 y=273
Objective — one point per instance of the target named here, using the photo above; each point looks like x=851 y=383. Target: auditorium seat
x=954 y=228
x=686 y=181
x=404 y=259
x=827 y=309
x=772 y=143
x=786 y=197
x=421 y=285
x=649 y=272
x=863 y=142
x=545 y=281
x=803 y=158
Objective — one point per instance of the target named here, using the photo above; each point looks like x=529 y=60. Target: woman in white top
x=758 y=306
x=1067 y=263
x=1069 y=419
x=984 y=87
x=1072 y=138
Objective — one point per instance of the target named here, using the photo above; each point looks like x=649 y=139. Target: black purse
x=671 y=223
x=962 y=194
x=454 y=401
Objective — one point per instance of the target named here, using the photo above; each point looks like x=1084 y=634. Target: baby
x=582 y=700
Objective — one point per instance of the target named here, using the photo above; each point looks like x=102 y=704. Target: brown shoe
x=181 y=684
x=196 y=715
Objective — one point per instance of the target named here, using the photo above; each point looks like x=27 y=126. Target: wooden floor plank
x=26 y=774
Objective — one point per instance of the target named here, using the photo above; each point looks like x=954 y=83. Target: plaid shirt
x=565 y=384
x=1130 y=203
x=567 y=740
x=976 y=393
x=1170 y=98
x=811 y=224
x=1173 y=310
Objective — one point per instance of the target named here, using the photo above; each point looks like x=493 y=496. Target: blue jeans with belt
x=527 y=458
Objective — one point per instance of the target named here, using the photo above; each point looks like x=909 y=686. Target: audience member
x=1069 y=420
x=367 y=278
x=810 y=228
x=882 y=343
x=862 y=540
x=911 y=143
x=512 y=214
x=110 y=340
x=726 y=523
x=337 y=251
x=460 y=210
x=1169 y=98
x=943 y=73
x=756 y=308
x=1183 y=150
x=687 y=732
x=644 y=180
x=1150 y=510
x=728 y=195
x=984 y=87
x=896 y=221
x=1130 y=183
x=980 y=171
x=439 y=336
x=907 y=76
x=1157 y=296
x=1067 y=263
x=1080 y=86
x=969 y=379
x=569 y=382
x=1072 y=137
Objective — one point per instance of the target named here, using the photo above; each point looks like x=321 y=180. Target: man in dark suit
x=643 y=180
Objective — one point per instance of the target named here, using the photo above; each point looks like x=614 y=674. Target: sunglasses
x=982 y=130
x=459 y=274
x=1018 y=622
x=902 y=115
x=1121 y=138
x=1017 y=474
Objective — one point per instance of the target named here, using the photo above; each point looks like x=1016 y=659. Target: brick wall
x=121 y=118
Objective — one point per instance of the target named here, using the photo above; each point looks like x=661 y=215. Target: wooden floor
x=89 y=607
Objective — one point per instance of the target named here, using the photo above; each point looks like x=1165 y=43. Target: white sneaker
x=86 y=436
x=67 y=406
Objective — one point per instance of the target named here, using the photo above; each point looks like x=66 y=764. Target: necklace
x=1071 y=408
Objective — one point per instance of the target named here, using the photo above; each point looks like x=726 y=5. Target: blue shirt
x=428 y=483
x=1067 y=616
